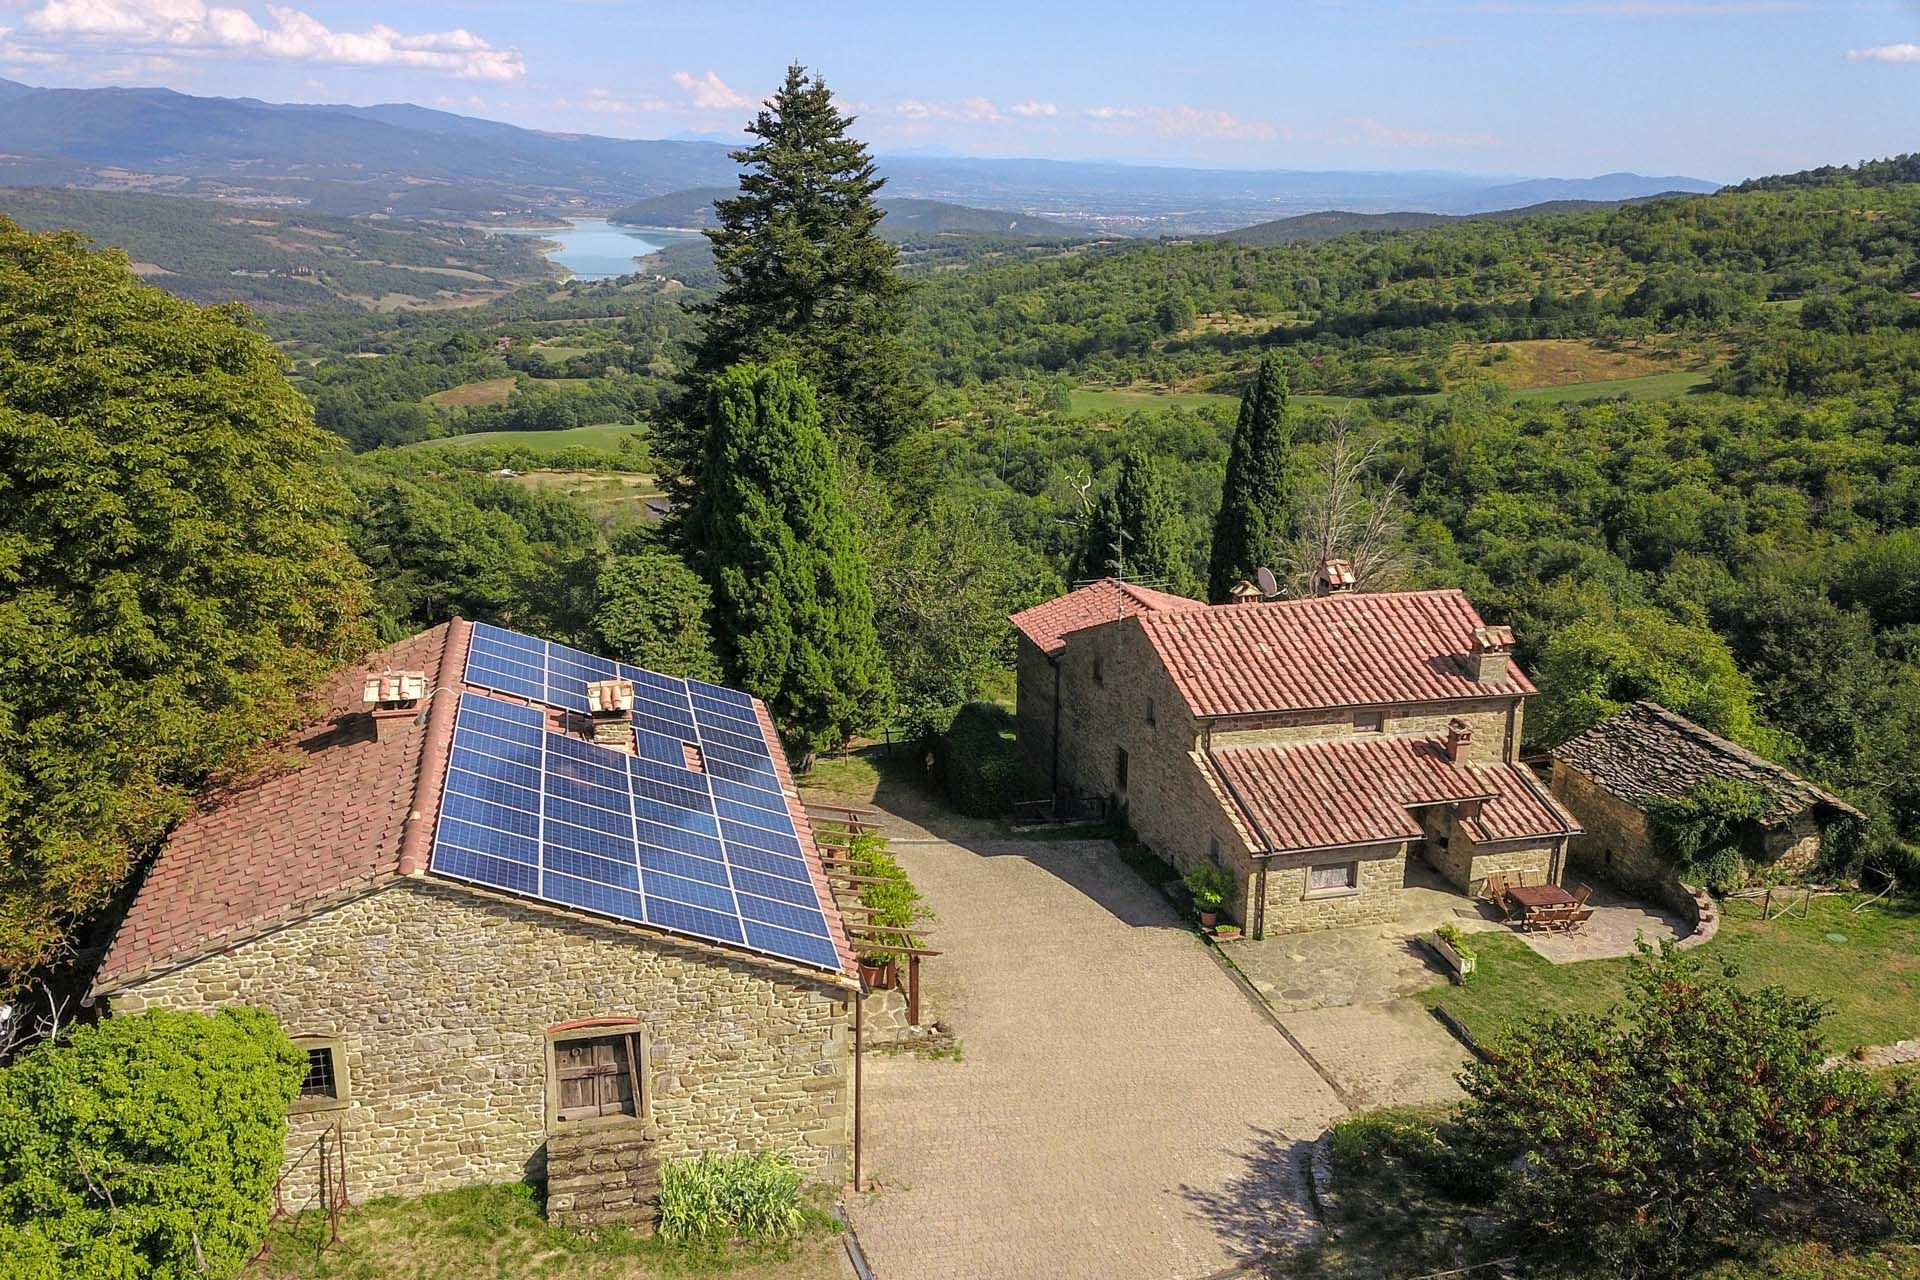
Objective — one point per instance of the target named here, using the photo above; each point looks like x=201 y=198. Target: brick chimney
x=1244 y=593
x=1332 y=578
x=393 y=699
x=1459 y=740
x=1492 y=655
x=610 y=703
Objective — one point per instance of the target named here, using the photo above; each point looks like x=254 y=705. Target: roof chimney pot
x=392 y=698
x=610 y=703
x=1333 y=577
x=1459 y=740
x=1491 y=659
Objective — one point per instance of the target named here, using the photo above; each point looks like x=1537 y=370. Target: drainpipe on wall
x=1055 y=663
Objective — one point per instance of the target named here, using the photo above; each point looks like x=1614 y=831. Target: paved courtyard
x=1120 y=1107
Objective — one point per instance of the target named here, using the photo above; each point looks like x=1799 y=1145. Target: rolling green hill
x=906 y=220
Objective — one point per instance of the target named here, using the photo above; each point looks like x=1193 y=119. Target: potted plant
x=877 y=970
x=1209 y=886
x=1452 y=946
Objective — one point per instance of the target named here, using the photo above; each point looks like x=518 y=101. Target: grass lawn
x=1654 y=386
x=616 y=495
x=1866 y=965
x=470 y=394
x=498 y=1232
x=604 y=436
x=1111 y=400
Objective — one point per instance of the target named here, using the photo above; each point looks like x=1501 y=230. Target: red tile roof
x=1047 y=624
x=1360 y=649
x=1358 y=791
x=331 y=824
x=347 y=814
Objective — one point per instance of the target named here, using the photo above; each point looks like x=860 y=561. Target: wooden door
x=595 y=1077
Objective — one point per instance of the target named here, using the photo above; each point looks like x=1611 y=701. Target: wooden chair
x=1496 y=889
x=1578 y=917
x=1581 y=895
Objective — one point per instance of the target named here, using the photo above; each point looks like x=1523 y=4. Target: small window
x=1213 y=850
x=325 y=1086
x=1120 y=769
x=1335 y=877
x=1150 y=713
x=1099 y=672
x=595 y=1072
x=1369 y=721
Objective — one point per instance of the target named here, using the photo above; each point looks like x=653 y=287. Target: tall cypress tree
x=793 y=612
x=1256 y=520
x=806 y=277
x=1135 y=529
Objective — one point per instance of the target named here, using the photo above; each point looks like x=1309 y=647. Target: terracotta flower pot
x=1208 y=919
x=878 y=977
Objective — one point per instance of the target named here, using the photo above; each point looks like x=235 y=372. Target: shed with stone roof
x=1644 y=752
x=1327 y=752
x=467 y=1027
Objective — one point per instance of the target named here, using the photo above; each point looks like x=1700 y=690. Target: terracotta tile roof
x=1334 y=651
x=1359 y=791
x=330 y=825
x=348 y=813
x=1047 y=624
x=1645 y=752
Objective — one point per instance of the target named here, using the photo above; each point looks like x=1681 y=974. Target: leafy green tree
x=1593 y=667
x=1653 y=1143
x=652 y=612
x=172 y=571
x=791 y=602
x=1256 y=520
x=144 y=1146
x=805 y=276
x=1134 y=531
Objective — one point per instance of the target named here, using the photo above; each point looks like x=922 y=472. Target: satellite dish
x=1268 y=587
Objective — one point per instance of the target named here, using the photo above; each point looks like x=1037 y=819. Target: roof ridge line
x=435 y=750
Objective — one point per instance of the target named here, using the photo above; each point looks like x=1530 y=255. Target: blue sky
x=1711 y=88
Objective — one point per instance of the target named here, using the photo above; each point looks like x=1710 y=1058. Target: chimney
x=393 y=698
x=610 y=703
x=1491 y=656
x=1332 y=578
x=1459 y=740
x=1244 y=593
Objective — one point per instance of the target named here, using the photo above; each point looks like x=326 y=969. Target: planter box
x=1461 y=965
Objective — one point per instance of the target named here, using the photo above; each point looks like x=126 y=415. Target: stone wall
x=1487 y=716
x=604 y=1174
x=442 y=998
x=1616 y=844
x=1382 y=877
x=1033 y=716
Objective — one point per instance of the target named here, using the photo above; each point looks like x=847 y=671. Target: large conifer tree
x=1135 y=529
x=806 y=277
x=793 y=611
x=1256 y=520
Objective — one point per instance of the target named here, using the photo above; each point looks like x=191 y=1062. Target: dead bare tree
x=34 y=1016
x=1341 y=520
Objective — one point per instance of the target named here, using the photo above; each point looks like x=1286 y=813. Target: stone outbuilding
x=459 y=1033
x=1644 y=752
x=1324 y=752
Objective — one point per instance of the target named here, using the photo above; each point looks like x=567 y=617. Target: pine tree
x=1256 y=520
x=793 y=612
x=1135 y=529
x=806 y=277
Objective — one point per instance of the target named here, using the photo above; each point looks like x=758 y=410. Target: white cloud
x=190 y=27
x=1032 y=109
x=971 y=110
x=1886 y=53
x=1183 y=122
x=710 y=92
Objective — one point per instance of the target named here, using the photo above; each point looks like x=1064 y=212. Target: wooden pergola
x=834 y=829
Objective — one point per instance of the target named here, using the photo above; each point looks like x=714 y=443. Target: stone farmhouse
x=1327 y=752
x=1644 y=752
x=529 y=912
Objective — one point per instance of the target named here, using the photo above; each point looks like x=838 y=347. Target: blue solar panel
x=639 y=837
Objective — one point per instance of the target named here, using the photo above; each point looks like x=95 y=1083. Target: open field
x=619 y=496
x=1110 y=400
x=471 y=394
x=1556 y=362
x=1654 y=386
x=603 y=436
x=1866 y=965
x=498 y=1231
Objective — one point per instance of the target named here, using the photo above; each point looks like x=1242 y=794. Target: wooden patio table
x=1532 y=897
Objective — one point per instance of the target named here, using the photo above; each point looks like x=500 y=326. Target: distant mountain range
x=906 y=219
x=1327 y=225
x=409 y=161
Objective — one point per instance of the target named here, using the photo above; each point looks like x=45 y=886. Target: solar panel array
x=709 y=852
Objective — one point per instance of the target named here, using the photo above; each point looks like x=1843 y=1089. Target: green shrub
x=1704 y=830
x=977 y=763
x=895 y=902
x=145 y=1147
x=1210 y=886
x=716 y=1198
x=1363 y=1141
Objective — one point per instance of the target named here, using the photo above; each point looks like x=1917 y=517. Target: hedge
x=977 y=761
x=144 y=1147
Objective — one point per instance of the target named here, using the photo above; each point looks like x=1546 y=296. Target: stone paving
x=1618 y=919
x=1393 y=1053
x=1120 y=1107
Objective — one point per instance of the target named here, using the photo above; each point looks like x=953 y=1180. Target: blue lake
x=595 y=249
